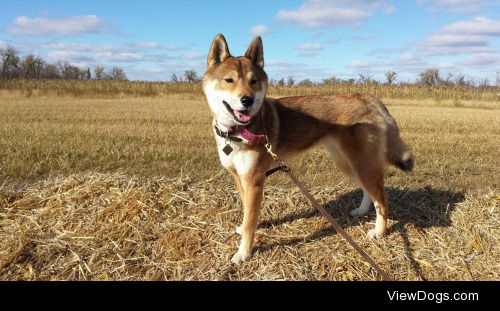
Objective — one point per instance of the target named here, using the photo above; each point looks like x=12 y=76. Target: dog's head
x=235 y=87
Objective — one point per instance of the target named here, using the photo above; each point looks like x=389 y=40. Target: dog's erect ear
x=256 y=52
x=219 y=51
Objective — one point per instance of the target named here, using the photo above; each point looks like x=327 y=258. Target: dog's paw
x=240 y=257
x=374 y=234
x=359 y=211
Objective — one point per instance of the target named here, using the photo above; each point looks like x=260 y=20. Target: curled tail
x=398 y=152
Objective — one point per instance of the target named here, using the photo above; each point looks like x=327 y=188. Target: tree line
x=34 y=67
x=429 y=77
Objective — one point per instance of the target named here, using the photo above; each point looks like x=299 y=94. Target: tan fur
x=357 y=130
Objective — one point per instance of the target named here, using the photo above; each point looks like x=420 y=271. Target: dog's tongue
x=243 y=116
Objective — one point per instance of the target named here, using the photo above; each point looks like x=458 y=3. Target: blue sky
x=312 y=39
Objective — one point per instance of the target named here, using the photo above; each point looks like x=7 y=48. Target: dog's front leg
x=252 y=193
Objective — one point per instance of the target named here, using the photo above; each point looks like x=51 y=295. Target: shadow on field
x=422 y=208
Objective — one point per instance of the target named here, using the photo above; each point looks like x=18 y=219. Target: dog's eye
x=253 y=82
x=229 y=80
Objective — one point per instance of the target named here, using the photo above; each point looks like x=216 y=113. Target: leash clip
x=282 y=166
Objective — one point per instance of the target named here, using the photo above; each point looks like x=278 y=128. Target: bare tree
x=290 y=81
x=50 y=71
x=365 y=79
x=117 y=73
x=174 y=78
x=484 y=83
x=190 y=76
x=430 y=77
x=460 y=80
x=448 y=81
x=38 y=64
x=10 y=63
x=99 y=72
x=27 y=66
x=31 y=66
x=390 y=77
x=69 y=71
x=281 y=82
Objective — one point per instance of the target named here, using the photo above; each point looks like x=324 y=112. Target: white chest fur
x=241 y=159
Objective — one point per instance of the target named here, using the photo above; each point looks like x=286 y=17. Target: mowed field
x=131 y=189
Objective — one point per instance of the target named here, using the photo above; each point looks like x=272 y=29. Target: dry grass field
x=131 y=189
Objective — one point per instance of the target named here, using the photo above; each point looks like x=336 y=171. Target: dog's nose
x=247 y=101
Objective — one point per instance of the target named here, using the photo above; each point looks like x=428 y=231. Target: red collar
x=243 y=132
x=251 y=137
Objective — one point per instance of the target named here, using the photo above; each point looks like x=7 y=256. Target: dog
x=358 y=131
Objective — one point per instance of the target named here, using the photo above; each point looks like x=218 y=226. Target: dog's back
x=306 y=120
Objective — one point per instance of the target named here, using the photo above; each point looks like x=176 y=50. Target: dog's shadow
x=422 y=208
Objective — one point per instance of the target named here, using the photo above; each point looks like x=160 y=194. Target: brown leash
x=282 y=167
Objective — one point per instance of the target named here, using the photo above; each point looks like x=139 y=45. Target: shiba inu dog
x=358 y=131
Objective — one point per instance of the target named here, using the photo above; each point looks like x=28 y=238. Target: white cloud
x=410 y=60
x=282 y=64
x=308 y=50
x=119 y=57
x=469 y=45
x=192 y=56
x=463 y=37
x=155 y=46
x=3 y=45
x=308 y=54
x=457 y=6
x=455 y=40
x=315 y=18
x=127 y=57
x=82 y=47
x=331 y=13
x=77 y=47
x=452 y=50
x=358 y=64
x=259 y=30
x=67 y=26
x=482 y=60
x=278 y=69
x=100 y=48
x=477 y=26
x=67 y=56
x=384 y=52
x=308 y=47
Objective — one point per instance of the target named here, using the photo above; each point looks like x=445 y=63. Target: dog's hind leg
x=253 y=189
x=364 y=207
x=343 y=164
x=373 y=182
x=363 y=148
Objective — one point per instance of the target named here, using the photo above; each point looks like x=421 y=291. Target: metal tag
x=227 y=150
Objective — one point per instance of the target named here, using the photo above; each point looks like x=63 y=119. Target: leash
x=284 y=168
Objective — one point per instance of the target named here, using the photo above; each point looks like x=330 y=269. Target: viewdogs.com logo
x=436 y=297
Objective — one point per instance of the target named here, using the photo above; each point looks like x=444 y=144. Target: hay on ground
x=113 y=226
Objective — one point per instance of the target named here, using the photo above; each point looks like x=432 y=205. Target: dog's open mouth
x=241 y=117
